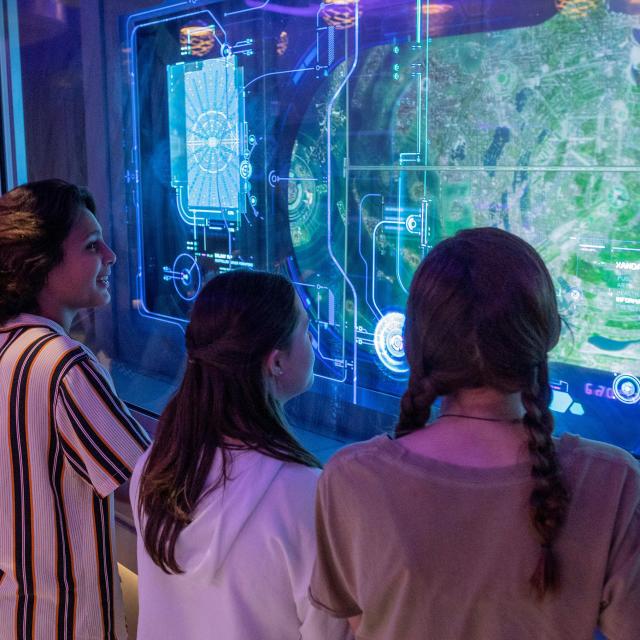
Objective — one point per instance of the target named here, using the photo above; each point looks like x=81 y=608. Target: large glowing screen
x=339 y=142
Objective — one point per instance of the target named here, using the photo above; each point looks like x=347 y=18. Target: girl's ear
x=273 y=363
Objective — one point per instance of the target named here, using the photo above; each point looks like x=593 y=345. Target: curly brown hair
x=35 y=219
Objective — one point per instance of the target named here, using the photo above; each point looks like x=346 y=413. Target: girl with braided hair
x=477 y=523
x=223 y=501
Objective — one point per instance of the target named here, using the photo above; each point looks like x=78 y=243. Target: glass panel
x=534 y=128
x=337 y=143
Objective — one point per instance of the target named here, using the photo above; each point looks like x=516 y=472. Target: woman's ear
x=273 y=363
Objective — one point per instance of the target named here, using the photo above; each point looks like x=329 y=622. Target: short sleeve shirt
x=423 y=548
x=69 y=442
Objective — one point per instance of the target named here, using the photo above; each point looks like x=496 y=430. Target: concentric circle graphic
x=626 y=388
x=389 y=343
x=216 y=141
x=187 y=279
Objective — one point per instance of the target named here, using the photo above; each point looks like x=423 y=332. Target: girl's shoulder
x=575 y=449
x=599 y=471
x=296 y=480
x=50 y=345
x=365 y=452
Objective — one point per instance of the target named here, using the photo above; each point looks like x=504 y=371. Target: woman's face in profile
x=296 y=363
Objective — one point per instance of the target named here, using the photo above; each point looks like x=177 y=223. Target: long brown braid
x=482 y=311
x=415 y=406
x=549 y=499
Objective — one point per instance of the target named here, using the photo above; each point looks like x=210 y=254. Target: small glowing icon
x=197 y=40
x=340 y=14
x=561 y=400
x=577 y=8
x=435 y=9
x=273 y=178
x=389 y=343
x=246 y=169
x=186 y=276
x=283 y=43
x=626 y=388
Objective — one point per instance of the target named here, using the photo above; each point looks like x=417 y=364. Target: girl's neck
x=484 y=402
x=51 y=309
x=475 y=428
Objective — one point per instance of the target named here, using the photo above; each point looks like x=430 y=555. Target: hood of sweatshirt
x=222 y=514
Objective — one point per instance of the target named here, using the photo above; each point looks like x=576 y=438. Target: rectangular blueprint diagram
x=205 y=116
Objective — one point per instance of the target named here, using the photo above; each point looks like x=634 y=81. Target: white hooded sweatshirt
x=247 y=559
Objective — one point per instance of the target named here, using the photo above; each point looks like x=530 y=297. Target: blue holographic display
x=206 y=118
x=339 y=142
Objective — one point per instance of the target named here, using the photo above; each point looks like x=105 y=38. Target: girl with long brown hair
x=224 y=499
x=478 y=523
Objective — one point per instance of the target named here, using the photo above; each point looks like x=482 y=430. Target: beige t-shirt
x=430 y=550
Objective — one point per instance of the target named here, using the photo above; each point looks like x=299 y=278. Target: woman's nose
x=109 y=257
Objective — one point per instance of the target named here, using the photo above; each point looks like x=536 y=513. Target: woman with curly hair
x=69 y=442
x=477 y=523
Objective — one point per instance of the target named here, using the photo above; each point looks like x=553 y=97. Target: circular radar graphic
x=389 y=343
x=626 y=388
x=216 y=142
x=186 y=276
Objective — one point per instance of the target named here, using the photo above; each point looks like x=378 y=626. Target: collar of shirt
x=30 y=320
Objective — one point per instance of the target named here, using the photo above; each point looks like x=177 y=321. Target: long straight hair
x=237 y=320
x=482 y=311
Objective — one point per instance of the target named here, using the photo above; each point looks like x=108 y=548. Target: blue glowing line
x=140 y=285
x=333 y=360
x=329 y=189
x=419 y=115
x=275 y=73
x=373 y=259
x=317 y=375
x=318 y=346
x=20 y=148
x=136 y=160
x=400 y=224
x=152 y=315
x=410 y=210
x=318 y=29
x=366 y=264
x=188 y=219
x=233 y=13
x=15 y=153
x=426 y=93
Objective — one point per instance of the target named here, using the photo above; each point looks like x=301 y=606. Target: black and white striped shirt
x=67 y=443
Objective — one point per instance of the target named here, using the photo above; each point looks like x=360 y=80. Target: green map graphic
x=535 y=130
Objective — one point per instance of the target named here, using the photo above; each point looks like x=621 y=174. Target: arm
x=100 y=439
x=300 y=551
x=619 y=619
x=332 y=583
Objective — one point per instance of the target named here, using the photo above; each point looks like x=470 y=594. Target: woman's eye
x=92 y=246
